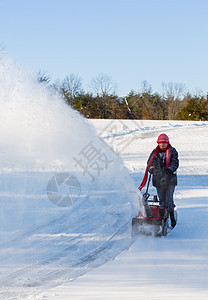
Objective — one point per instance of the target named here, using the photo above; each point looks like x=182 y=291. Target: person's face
x=163 y=146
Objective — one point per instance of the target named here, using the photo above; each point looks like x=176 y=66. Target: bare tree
x=146 y=87
x=71 y=86
x=103 y=85
x=198 y=92
x=105 y=90
x=173 y=91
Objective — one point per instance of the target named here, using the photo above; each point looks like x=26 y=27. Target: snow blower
x=151 y=219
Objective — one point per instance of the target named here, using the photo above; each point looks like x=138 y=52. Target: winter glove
x=152 y=170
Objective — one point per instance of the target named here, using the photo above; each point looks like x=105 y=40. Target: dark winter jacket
x=163 y=176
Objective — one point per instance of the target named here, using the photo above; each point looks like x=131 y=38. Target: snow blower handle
x=146 y=194
x=145 y=197
x=148 y=183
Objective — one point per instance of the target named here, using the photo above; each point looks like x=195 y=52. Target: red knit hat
x=163 y=138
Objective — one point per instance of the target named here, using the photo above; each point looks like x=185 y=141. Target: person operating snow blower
x=163 y=163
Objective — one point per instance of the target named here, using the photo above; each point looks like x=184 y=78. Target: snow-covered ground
x=67 y=199
x=174 y=267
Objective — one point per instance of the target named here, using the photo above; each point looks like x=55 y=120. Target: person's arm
x=152 y=168
x=174 y=161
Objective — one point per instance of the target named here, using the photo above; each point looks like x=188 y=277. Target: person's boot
x=172 y=218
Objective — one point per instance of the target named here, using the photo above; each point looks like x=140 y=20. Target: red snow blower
x=151 y=219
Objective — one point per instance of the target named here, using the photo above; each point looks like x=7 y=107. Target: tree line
x=172 y=103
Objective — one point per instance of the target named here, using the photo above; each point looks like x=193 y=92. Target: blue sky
x=129 y=40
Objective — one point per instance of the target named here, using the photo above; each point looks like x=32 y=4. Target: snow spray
x=47 y=151
x=38 y=130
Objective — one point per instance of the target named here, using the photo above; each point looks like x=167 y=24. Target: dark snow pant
x=165 y=195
